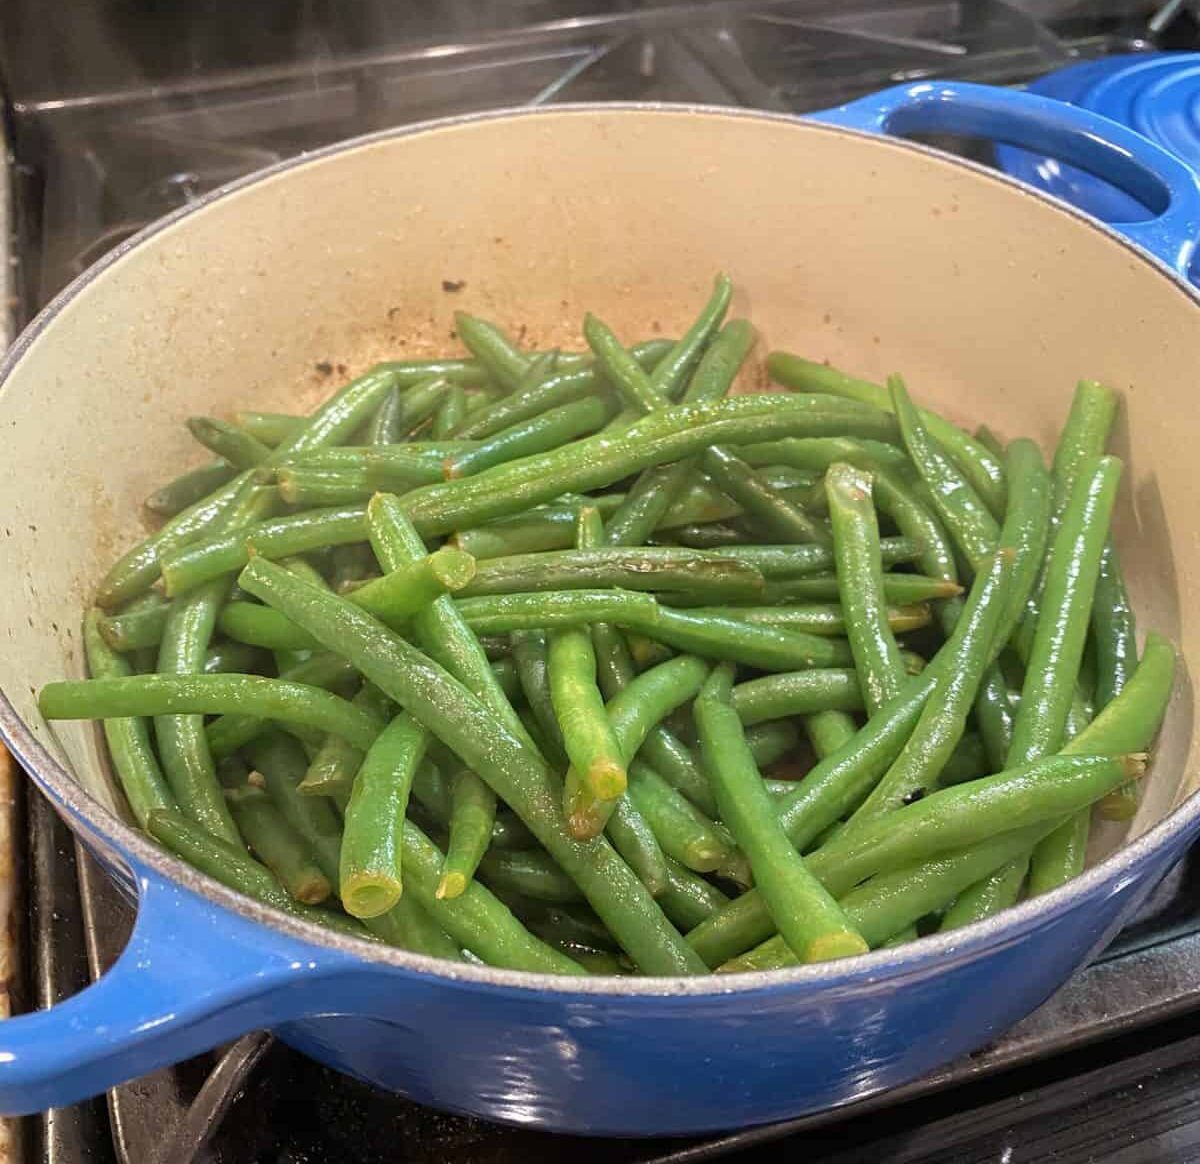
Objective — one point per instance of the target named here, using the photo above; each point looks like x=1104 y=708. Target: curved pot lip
x=932 y=952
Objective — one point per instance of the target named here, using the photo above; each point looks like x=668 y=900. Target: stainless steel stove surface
x=120 y=112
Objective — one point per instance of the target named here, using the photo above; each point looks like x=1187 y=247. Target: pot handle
x=1156 y=178
x=193 y=975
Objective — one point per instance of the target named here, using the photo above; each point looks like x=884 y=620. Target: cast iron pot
x=876 y=253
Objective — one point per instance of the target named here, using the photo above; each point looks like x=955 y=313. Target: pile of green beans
x=581 y=662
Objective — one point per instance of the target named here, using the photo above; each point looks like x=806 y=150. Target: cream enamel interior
x=874 y=255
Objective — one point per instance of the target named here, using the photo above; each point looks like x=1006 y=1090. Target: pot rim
x=935 y=950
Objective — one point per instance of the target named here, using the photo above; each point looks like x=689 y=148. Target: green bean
x=393 y=468
x=260 y=626
x=384 y=427
x=208 y=695
x=566 y=385
x=507 y=613
x=622 y=371
x=136 y=570
x=401 y=593
x=899 y=589
x=514 y=772
x=729 y=638
x=468 y=373
x=542 y=433
x=546 y=527
x=1113 y=629
x=530 y=874
x=332 y=770
x=450 y=413
x=272 y=428
x=339 y=416
x=226 y=658
x=808 y=917
x=223 y=553
x=601 y=460
x=660 y=748
x=831 y=789
x=476 y=919
x=825 y=619
x=277 y=846
x=771 y=742
x=232 y=731
x=435 y=794
x=530 y=652
x=231 y=865
x=369 y=875
x=1130 y=721
x=140 y=625
x=994 y=716
x=597 y=763
x=790 y=693
x=672 y=372
x=415 y=458
x=128 y=738
x=1026 y=525
x=765 y=508
x=642 y=568
x=182 y=744
x=997 y=891
x=975 y=462
x=1070 y=582
x=683 y=832
x=1041 y=724
x=439 y=629
x=717 y=636
x=408 y=925
x=952 y=818
x=472 y=820
x=860 y=575
x=943 y=720
x=189 y=488
x=633 y=713
x=234 y=445
x=891 y=902
x=492 y=348
x=793 y=563
x=665 y=495
x=818 y=453
x=280 y=761
x=688 y=899
x=964 y=512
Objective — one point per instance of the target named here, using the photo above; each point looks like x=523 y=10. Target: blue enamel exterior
x=604 y=1056
x=1156 y=94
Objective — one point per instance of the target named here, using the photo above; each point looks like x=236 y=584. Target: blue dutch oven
x=846 y=242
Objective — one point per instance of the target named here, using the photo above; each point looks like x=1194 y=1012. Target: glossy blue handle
x=1156 y=178
x=192 y=976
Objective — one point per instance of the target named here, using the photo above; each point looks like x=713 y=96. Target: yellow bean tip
x=314 y=890
x=366 y=895
x=843 y=944
x=1135 y=764
x=607 y=779
x=450 y=886
x=454 y=568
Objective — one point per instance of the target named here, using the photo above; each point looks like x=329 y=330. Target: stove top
x=119 y=112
